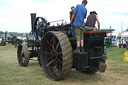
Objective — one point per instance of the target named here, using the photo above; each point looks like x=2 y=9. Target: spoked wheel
x=56 y=55
x=23 y=55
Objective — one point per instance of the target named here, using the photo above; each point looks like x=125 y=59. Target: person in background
x=58 y=25
x=71 y=13
x=91 y=21
x=119 y=42
x=126 y=41
x=79 y=13
x=70 y=16
x=123 y=43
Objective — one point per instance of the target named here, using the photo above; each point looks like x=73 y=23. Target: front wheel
x=23 y=55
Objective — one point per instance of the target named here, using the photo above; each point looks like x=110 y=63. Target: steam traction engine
x=54 y=45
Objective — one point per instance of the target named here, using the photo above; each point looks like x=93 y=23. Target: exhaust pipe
x=33 y=18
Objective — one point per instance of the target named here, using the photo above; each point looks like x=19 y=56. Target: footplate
x=80 y=61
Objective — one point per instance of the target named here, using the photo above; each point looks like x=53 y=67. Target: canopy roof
x=120 y=34
x=107 y=29
x=112 y=34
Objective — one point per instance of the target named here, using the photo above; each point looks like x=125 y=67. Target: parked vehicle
x=124 y=36
x=2 y=42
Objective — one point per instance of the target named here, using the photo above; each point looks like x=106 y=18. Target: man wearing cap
x=71 y=13
x=79 y=13
x=91 y=21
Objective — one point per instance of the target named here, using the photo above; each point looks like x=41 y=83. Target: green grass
x=12 y=74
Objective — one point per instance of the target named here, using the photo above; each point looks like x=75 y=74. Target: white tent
x=125 y=36
x=113 y=34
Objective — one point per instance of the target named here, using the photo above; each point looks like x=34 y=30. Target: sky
x=15 y=14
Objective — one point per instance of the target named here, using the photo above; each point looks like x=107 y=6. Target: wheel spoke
x=49 y=48
x=49 y=43
x=47 y=53
x=22 y=50
x=57 y=46
x=49 y=63
x=21 y=54
x=58 y=68
x=59 y=60
x=54 y=40
x=23 y=59
x=53 y=43
x=54 y=68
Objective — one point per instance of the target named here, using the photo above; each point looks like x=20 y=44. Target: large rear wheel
x=56 y=55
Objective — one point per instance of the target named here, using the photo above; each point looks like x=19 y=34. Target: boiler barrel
x=30 y=39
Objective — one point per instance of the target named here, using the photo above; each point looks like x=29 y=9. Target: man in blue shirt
x=80 y=13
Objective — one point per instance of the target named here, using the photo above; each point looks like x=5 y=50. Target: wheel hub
x=54 y=55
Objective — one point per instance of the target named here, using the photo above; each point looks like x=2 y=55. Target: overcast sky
x=15 y=14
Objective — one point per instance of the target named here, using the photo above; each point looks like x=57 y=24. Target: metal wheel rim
x=56 y=58
x=23 y=55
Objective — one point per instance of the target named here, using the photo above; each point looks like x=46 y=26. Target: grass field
x=12 y=74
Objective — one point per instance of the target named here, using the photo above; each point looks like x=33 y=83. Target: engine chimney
x=33 y=17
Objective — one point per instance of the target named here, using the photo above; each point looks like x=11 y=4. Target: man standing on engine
x=79 y=13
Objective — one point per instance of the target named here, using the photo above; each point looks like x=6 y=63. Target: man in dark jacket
x=71 y=13
x=70 y=16
x=91 y=21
